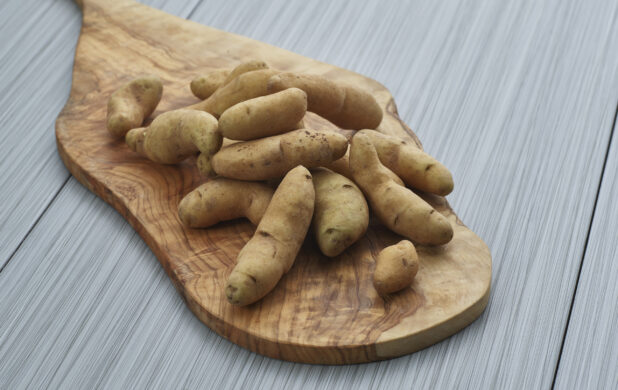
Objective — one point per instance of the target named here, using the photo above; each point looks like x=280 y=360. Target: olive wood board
x=324 y=310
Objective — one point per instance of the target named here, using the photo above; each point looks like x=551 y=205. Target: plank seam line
x=53 y=199
x=193 y=10
x=581 y=263
x=60 y=189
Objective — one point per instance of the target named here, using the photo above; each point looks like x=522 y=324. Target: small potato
x=417 y=169
x=222 y=199
x=175 y=135
x=396 y=268
x=397 y=207
x=271 y=252
x=205 y=85
x=244 y=87
x=344 y=105
x=341 y=213
x=272 y=157
x=264 y=116
x=129 y=105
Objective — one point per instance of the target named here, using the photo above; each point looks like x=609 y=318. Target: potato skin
x=175 y=135
x=360 y=110
x=272 y=157
x=264 y=116
x=270 y=253
x=222 y=199
x=397 y=207
x=344 y=105
x=396 y=267
x=205 y=85
x=244 y=87
x=417 y=168
x=324 y=97
x=248 y=66
x=133 y=102
x=341 y=214
x=342 y=167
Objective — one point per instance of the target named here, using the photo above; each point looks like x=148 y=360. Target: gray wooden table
x=518 y=98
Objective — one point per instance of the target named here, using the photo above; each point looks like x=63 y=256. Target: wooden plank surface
x=590 y=356
x=516 y=98
x=38 y=44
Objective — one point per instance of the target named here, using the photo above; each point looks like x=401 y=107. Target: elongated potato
x=271 y=251
x=175 y=135
x=344 y=105
x=272 y=157
x=396 y=267
x=222 y=199
x=342 y=167
x=244 y=87
x=205 y=85
x=132 y=103
x=417 y=168
x=341 y=214
x=264 y=116
x=248 y=66
x=397 y=207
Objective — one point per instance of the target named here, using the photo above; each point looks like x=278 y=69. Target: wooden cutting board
x=324 y=310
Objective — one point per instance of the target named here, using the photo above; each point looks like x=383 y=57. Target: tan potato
x=130 y=104
x=271 y=251
x=396 y=267
x=417 y=169
x=244 y=87
x=397 y=207
x=135 y=140
x=344 y=105
x=245 y=67
x=176 y=135
x=272 y=157
x=222 y=199
x=205 y=85
x=264 y=116
x=342 y=167
x=341 y=214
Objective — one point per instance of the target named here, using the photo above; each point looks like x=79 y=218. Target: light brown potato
x=135 y=140
x=341 y=214
x=271 y=252
x=222 y=199
x=272 y=157
x=244 y=87
x=205 y=85
x=176 y=135
x=397 y=207
x=396 y=267
x=342 y=167
x=133 y=102
x=344 y=105
x=417 y=168
x=264 y=116
x=245 y=67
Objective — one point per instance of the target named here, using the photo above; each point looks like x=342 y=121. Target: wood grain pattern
x=35 y=78
x=302 y=319
x=517 y=98
x=38 y=43
x=590 y=355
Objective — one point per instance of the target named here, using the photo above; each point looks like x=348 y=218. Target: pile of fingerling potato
x=248 y=133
